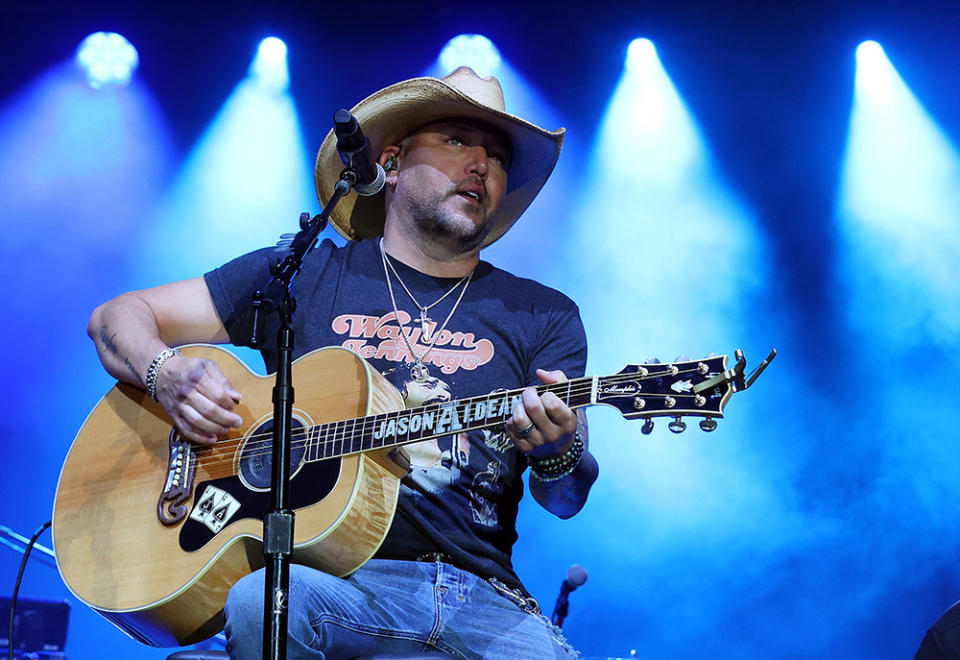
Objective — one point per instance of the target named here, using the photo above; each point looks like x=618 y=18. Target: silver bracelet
x=154 y=370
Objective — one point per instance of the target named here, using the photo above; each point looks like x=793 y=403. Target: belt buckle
x=433 y=557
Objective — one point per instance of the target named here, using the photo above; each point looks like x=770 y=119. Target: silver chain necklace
x=419 y=371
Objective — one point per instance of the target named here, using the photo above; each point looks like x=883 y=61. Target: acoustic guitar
x=151 y=531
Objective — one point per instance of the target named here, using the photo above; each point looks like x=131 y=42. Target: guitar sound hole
x=256 y=458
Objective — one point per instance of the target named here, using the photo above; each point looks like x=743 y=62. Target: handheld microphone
x=354 y=150
x=576 y=576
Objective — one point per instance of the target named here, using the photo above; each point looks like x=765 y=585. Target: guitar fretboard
x=350 y=436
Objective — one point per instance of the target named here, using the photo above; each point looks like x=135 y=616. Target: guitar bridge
x=181 y=467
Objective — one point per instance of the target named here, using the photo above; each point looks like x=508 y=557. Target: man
x=422 y=307
x=942 y=639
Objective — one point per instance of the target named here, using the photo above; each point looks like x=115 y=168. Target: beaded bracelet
x=154 y=370
x=557 y=467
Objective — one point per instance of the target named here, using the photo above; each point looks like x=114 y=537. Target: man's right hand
x=132 y=329
x=198 y=398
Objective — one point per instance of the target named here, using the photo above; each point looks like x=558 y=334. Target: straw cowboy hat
x=393 y=113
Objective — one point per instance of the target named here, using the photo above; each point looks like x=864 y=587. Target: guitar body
x=163 y=578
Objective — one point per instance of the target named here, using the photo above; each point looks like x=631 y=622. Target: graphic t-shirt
x=462 y=495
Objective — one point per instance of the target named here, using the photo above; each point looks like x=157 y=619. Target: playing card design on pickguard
x=215 y=508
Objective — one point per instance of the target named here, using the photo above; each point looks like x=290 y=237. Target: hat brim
x=393 y=113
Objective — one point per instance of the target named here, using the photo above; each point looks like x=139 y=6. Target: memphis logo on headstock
x=695 y=387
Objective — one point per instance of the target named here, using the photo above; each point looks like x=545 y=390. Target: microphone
x=355 y=153
x=576 y=576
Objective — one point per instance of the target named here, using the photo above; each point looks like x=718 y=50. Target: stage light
x=272 y=49
x=868 y=50
x=269 y=66
x=472 y=50
x=875 y=74
x=641 y=54
x=108 y=59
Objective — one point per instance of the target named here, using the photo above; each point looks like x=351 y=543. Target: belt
x=432 y=557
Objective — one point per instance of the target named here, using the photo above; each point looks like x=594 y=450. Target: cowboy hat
x=397 y=111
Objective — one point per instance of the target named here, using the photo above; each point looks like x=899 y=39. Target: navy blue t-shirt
x=462 y=495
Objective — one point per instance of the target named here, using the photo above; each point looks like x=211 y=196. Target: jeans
x=391 y=606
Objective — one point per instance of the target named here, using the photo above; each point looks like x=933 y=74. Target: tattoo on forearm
x=110 y=344
x=107 y=340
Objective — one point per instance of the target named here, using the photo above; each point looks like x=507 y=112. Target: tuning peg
x=647 y=427
x=682 y=358
x=711 y=355
x=652 y=360
x=708 y=425
x=677 y=425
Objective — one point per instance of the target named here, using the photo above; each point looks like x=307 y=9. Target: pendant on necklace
x=419 y=371
x=424 y=326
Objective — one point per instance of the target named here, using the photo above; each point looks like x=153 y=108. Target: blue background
x=817 y=521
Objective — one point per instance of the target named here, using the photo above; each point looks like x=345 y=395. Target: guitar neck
x=350 y=436
x=694 y=387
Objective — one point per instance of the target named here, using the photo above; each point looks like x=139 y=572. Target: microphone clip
x=364 y=174
x=351 y=162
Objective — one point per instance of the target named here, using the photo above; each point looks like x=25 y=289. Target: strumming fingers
x=190 y=433
x=203 y=429
x=203 y=387
x=224 y=394
x=211 y=411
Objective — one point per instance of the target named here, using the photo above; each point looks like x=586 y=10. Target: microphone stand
x=561 y=608
x=278 y=522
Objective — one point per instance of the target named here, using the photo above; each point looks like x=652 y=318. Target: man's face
x=420 y=392
x=451 y=179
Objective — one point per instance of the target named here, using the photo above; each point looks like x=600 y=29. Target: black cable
x=16 y=586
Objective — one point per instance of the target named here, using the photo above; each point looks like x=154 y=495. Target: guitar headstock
x=698 y=388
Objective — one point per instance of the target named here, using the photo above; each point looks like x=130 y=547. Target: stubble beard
x=435 y=220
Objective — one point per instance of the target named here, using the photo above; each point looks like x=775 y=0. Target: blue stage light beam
x=244 y=183
x=80 y=172
x=473 y=50
x=898 y=223
x=108 y=59
x=664 y=259
x=653 y=183
x=269 y=66
x=98 y=164
x=899 y=211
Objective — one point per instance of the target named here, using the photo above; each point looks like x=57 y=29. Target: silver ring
x=524 y=432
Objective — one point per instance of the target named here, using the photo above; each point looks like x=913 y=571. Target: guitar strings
x=262 y=443
x=301 y=440
x=582 y=386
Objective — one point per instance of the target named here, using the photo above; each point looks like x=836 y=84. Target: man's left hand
x=542 y=425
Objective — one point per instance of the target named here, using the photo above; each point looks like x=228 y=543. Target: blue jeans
x=391 y=606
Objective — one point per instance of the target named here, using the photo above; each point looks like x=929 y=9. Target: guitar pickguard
x=219 y=502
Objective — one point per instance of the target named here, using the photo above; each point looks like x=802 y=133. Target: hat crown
x=486 y=91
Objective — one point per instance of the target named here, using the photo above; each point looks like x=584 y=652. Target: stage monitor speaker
x=39 y=628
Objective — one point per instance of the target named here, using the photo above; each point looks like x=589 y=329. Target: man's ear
x=389 y=159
